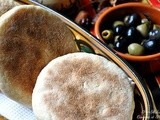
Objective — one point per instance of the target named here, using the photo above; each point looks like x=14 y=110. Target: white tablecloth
x=14 y=111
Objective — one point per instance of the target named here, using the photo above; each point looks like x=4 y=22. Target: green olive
x=144 y=28
x=107 y=35
x=135 y=49
x=155 y=26
x=118 y=22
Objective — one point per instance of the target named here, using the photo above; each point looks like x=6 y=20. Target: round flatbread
x=30 y=37
x=82 y=86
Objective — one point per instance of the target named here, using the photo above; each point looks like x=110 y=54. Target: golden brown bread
x=6 y=5
x=82 y=86
x=30 y=37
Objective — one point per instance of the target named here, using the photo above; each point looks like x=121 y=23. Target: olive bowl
x=106 y=18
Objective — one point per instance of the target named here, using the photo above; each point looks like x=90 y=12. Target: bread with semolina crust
x=30 y=37
x=82 y=86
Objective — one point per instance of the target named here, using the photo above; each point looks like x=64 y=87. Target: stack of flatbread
x=40 y=68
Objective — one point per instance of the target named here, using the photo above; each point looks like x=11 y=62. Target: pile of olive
x=134 y=35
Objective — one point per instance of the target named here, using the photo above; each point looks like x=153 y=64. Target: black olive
x=86 y=23
x=133 y=35
x=119 y=29
x=121 y=44
x=84 y=19
x=155 y=34
x=151 y=46
x=132 y=20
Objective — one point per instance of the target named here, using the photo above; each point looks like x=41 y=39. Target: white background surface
x=14 y=111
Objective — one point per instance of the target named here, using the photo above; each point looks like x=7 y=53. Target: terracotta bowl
x=107 y=17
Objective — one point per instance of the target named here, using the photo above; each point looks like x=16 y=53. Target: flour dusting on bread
x=83 y=86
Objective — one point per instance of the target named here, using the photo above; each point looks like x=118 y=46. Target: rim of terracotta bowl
x=123 y=55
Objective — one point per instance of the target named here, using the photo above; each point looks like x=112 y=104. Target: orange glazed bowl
x=108 y=16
